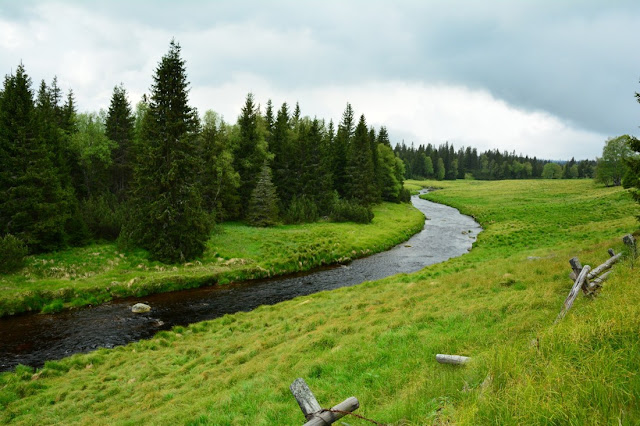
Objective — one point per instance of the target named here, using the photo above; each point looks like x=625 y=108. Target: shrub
x=404 y=196
x=350 y=211
x=12 y=253
x=301 y=210
x=104 y=216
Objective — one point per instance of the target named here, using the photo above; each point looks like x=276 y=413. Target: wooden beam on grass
x=606 y=265
x=452 y=359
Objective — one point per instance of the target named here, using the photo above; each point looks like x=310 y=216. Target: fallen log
x=574 y=292
x=452 y=359
x=606 y=265
x=597 y=282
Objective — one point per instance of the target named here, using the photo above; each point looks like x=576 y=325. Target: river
x=35 y=338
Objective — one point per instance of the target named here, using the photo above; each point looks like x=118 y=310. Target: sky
x=553 y=79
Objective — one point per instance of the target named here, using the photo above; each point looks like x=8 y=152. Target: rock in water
x=140 y=308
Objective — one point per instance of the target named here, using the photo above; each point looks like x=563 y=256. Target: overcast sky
x=552 y=78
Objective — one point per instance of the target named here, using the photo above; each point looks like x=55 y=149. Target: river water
x=36 y=338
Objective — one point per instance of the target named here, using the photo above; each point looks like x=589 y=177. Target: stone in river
x=140 y=308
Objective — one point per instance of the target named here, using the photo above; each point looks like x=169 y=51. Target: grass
x=377 y=341
x=236 y=252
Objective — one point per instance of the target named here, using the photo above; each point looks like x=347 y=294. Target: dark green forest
x=447 y=163
x=160 y=175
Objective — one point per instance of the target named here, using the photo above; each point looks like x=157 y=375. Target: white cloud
x=421 y=114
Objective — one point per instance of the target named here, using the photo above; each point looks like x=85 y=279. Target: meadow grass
x=235 y=252
x=377 y=341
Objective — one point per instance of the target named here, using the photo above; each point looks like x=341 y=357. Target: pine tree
x=263 y=205
x=168 y=217
x=361 y=185
x=119 y=128
x=341 y=149
x=34 y=204
x=220 y=180
x=281 y=147
x=250 y=150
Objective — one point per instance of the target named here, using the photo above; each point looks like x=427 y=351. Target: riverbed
x=35 y=338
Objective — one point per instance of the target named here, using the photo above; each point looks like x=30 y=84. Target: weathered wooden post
x=630 y=242
x=313 y=412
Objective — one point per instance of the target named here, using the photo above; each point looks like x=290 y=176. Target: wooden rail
x=590 y=280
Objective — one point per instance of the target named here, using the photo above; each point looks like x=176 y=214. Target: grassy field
x=377 y=341
x=97 y=273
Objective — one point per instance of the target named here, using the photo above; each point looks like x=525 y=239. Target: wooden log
x=597 y=282
x=328 y=417
x=568 y=302
x=630 y=242
x=307 y=402
x=452 y=359
x=606 y=265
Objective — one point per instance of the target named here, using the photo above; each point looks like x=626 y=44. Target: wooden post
x=630 y=242
x=452 y=359
x=307 y=402
x=574 y=292
x=313 y=412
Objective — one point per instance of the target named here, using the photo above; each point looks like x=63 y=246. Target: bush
x=301 y=210
x=350 y=211
x=12 y=253
x=104 y=216
x=404 y=196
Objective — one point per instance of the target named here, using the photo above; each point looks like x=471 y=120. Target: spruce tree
x=220 y=181
x=119 y=129
x=251 y=150
x=263 y=205
x=168 y=217
x=281 y=146
x=34 y=205
x=341 y=150
x=361 y=185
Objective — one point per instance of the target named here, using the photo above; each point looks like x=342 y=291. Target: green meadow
x=378 y=340
x=235 y=252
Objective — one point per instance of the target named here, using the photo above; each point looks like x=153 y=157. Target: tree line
x=446 y=163
x=160 y=175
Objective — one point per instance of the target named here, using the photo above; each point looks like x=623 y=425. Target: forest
x=161 y=175
x=445 y=163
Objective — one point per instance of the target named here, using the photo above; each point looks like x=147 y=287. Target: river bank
x=101 y=272
x=34 y=339
x=377 y=341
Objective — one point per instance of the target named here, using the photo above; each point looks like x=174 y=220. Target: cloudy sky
x=552 y=78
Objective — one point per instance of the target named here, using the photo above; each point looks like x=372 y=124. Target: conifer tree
x=250 y=150
x=263 y=205
x=220 y=180
x=168 y=217
x=341 y=150
x=119 y=128
x=361 y=184
x=34 y=205
x=281 y=147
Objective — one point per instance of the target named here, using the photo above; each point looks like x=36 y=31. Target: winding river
x=33 y=339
